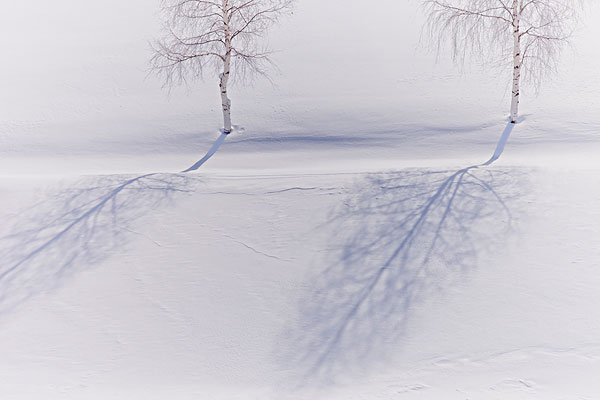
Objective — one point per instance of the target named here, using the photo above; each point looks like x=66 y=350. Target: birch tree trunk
x=225 y=101
x=514 y=107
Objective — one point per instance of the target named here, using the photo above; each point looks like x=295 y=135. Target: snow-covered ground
x=346 y=242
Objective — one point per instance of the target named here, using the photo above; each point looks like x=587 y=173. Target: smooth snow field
x=351 y=239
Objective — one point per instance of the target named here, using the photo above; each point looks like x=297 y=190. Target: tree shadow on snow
x=399 y=238
x=75 y=228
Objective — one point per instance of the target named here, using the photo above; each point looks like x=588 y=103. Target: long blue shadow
x=501 y=144
x=74 y=229
x=210 y=153
x=404 y=237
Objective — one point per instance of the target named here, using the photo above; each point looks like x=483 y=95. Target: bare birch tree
x=529 y=33
x=220 y=36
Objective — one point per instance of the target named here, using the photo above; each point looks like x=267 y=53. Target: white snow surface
x=345 y=242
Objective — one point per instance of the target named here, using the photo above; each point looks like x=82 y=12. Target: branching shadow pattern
x=75 y=228
x=398 y=239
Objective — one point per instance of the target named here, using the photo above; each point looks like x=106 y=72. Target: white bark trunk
x=225 y=102
x=514 y=107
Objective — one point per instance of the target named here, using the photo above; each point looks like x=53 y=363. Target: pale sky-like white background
x=79 y=71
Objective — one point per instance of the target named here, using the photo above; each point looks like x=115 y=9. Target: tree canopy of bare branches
x=528 y=33
x=221 y=36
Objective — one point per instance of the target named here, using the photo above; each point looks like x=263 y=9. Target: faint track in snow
x=299 y=189
x=142 y=235
x=255 y=250
x=247 y=246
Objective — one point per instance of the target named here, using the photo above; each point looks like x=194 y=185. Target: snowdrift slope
x=451 y=283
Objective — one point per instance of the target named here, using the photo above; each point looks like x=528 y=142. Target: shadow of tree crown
x=400 y=238
x=75 y=228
